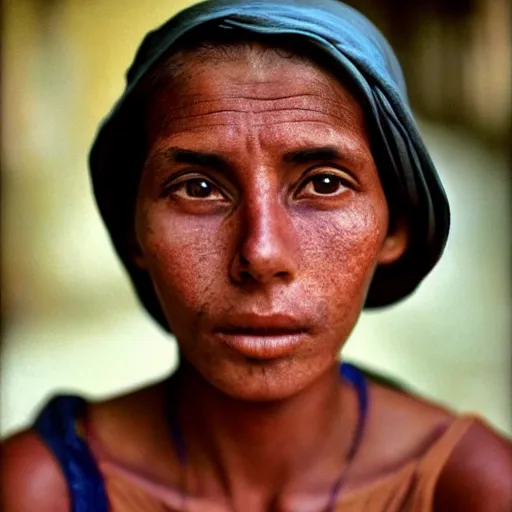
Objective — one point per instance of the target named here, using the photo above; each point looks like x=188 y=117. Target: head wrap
x=358 y=48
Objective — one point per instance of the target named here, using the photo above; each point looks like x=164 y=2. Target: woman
x=263 y=181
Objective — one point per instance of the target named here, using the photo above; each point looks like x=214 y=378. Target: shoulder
x=478 y=474
x=31 y=479
x=401 y=426
x=133 y=430
x=400 y=429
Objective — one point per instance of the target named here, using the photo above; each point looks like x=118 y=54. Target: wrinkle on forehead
x=227 y=85
x=288 y=103
x=234 y=113
x=201 y=106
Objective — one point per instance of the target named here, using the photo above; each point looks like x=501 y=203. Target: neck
x=237 y=447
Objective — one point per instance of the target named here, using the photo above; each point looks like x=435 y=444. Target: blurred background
x=70 y=321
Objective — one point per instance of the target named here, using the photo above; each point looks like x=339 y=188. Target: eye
x=197 y=188
x=324 y=184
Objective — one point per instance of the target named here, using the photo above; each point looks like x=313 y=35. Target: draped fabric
x=356 y=50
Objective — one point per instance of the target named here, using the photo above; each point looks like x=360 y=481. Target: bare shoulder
x=402 y=426
x=124 y=423
x=31 y=478
x=133 y=430
x=478 y=475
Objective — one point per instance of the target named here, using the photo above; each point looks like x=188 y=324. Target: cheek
x=184 y=257
x=341 y=251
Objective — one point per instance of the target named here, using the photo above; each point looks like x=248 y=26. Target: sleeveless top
x=88 y=477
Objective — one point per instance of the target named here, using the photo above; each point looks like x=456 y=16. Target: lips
x=263 y=336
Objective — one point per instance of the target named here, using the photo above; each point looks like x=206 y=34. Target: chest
x=402 y=492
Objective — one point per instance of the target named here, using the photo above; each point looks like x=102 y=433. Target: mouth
x=263 y=337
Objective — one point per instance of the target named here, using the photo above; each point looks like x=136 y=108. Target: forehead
x=222 y=102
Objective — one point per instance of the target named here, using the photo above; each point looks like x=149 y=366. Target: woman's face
x=260 y=218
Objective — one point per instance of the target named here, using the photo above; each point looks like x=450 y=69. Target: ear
x=135 y=251
x=395 y=243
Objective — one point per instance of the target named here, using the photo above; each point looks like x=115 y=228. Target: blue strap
x=357 y=378
x=56 y=427
x=347 y=371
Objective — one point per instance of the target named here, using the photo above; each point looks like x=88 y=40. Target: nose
x=267 y=250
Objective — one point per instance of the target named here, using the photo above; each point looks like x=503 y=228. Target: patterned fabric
x=360 y=52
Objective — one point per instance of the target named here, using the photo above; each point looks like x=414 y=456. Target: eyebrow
x=308 y=155
x=214 y=160
x=203 y=159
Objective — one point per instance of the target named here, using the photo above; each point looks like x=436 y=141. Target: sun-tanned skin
x=261 y=218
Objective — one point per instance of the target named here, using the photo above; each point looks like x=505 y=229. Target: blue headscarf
x=362 y=53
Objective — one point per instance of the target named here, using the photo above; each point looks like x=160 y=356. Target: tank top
x=409 y=489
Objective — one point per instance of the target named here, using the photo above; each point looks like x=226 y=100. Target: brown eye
x=199 y=188
x=324 y=185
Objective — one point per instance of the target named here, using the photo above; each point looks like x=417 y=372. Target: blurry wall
x=70 y=319
x=457 y=58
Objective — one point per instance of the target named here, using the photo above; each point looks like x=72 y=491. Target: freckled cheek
x=185 y=258
x=342 y=250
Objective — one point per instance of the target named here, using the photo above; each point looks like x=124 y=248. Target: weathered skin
x=266 y=417
x=307 y=255
x=263 y=242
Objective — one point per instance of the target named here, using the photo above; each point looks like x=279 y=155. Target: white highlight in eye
x=325 y=184
x=197 y=188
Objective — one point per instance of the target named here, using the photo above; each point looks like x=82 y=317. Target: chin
x=266 y=380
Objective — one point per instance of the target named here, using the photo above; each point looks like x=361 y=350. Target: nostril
x=245 y=276
x=252 y=265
